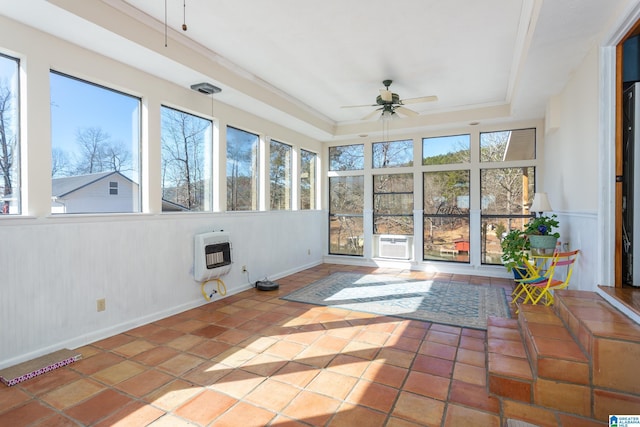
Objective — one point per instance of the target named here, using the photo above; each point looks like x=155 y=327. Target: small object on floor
x=266 y=285
x=38 y=366
x=518 y=423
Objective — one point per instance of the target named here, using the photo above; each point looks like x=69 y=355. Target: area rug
x=449 y=303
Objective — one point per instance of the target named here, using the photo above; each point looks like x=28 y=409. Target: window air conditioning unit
x=395 y=247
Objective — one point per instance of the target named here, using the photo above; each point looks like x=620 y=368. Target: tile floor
x=253 y=359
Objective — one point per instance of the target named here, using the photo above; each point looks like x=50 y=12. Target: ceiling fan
x=390 y=104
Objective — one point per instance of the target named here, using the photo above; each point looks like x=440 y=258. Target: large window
x=392 y=154
x=308 y=164
x=346 y=157
x=346 y=204
x=506 y=192
x=446 y=216
x=95 y=141
x=280 y=175
x=393 y=204
x=186 y=161
x=446 y=198
x=9 y=136
x=242 y=170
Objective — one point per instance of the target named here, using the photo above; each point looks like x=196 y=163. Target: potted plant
x=541 y=236
x=515 y=252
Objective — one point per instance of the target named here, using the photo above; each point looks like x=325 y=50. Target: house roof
x=61 y=187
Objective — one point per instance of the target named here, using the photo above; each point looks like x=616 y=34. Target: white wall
x=54 y=268
x=571 y=167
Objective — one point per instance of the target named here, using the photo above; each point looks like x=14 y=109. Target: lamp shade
x=540 y=203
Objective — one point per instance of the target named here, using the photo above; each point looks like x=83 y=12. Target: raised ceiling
x=298 y=62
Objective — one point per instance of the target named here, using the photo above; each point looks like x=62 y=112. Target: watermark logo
x=624 y=420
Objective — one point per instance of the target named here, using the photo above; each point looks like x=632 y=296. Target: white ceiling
x=298 y=62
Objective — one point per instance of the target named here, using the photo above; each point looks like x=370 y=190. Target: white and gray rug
x=450 y=303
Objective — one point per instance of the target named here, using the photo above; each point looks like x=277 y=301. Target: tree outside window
x=308 y=164
x=346 y=206
x=186 y=161
x=9 y=136
x=242 y=170
x=280 y=175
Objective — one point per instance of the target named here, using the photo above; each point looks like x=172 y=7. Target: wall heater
x=212 y=255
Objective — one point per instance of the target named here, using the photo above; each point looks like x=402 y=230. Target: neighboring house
x=92 y=193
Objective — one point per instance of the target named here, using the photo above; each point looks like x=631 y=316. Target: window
x=242 y=170
x=346 y=157
x=113 y=188
x=95 y=138
x=506 y=193
x=186 y=162
x=446 y=150
x=508 y=145
x=346 y=206
x=446 y=216
x=393 y=154
x=393 y=204
x=9 y=136
x=280 y=175
x=307 y=179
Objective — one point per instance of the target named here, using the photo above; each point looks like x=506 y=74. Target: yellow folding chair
x=528 y=271
x=557 y=277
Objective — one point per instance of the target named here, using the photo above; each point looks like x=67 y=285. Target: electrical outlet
x=101 y=304
x=244 y=268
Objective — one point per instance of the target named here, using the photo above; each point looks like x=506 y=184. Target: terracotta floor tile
x=361 y=349
x=119 y=372
x=207 y=349
x=43 y=383
x=474 y=396
x=114 y=341
x=435 y=349
x=55 y=420
x=296 y=374
x=470 y=374
x=245 y=414
x=427 y=385
x=264 y=364
x=96 y=363
x=471 y=357
x=237 y=383
x=396 y=357
x=332 y=384
x=25 y=414
x=285 y=349
x=205 y=407
x=210 y=331
x=144 y=382
x=72 y=393
x=164 y=336
x=185 y=342
x=472 y=343
x=311 y=408
x=156 y=355
x=433 y=365
x=507 y=348
x=400 y=342
x=173 y=394
x=348 y=365
x=443 y=337
x=132 y=415
x=349 y=415
x=134 y=347
x=272 y=395
x=461 y=416
x=14 y=396
x=373 y=395
x=385 y=374
x=98 y=407
x=419 y=409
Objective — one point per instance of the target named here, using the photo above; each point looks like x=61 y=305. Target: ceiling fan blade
x=386 y=95
x=421 y=99
x=359 y=106
x=406 y=111
x=372 y=114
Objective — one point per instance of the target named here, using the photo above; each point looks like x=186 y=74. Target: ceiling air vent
x=206 y=88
